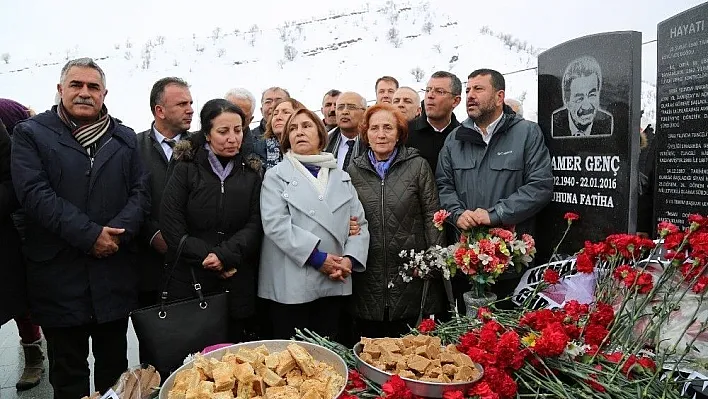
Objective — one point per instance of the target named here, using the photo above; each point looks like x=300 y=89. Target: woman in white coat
x=307 y=255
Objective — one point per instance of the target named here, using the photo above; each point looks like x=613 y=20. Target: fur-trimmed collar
x=185 y=151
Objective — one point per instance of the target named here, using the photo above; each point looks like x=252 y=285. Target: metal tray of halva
x=318 y=352
x=418 y=388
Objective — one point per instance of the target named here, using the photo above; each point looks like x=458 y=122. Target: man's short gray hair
x=274 y=88
x=515 y=105
x=242 y=94
x=455 y=83
x=362 y=99
x=82 y=63
x=410 y=89
x=581 y=67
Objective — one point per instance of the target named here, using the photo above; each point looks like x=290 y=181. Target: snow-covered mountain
x=347 y=51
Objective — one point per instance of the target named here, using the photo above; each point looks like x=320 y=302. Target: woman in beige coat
x=308 y=255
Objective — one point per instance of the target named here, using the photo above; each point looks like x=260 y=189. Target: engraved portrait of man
x=581 y=115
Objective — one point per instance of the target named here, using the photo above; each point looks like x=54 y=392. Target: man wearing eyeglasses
x=494 y=169
x=428 y=132
x=268 y=100
x=344 y=141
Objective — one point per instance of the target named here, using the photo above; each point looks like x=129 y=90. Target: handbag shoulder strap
x=178 y=255
x=195 y=284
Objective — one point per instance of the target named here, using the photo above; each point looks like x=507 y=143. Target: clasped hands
x=213 y=263
x=336 y=267
x=107 y=242
x=469 y=219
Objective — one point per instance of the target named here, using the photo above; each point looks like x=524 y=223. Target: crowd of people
x=301 y=219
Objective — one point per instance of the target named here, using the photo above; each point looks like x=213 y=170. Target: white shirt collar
x=491 y=129
x=343 y=148
x=441 y=130
x=161 y=140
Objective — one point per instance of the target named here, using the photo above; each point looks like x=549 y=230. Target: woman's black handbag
x=169 y=331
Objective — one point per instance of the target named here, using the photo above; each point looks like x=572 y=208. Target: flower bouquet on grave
x=482 y=254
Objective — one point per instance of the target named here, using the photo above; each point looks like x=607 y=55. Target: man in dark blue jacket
x=78 y=174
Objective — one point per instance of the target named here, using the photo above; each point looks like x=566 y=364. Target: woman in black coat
x=12 y=296
x=213 y=197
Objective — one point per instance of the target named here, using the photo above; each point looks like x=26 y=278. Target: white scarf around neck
x=324 y=160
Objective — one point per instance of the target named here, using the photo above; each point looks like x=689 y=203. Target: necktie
x=171 y=143
x=348 y=157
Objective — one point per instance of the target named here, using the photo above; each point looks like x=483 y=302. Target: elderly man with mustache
x=329 y=103
x=78 y=175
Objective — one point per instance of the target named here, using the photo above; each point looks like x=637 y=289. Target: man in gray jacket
x=494 y=169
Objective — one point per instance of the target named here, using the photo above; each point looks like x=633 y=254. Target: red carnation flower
x=575 y=309
x=355 y=382
x=551 y=276
x=645 y=283
x=614 y=357
x=700 y=285
x=347 y=395
x=699 y=243
x=697 y=221
x=479 y=356
x=484 y=313
x=504 y=234
x=571 y=217
x=603 y=315
x=673 y=240
x=439 y=218
x=552 y=341
x=624 y=273
x=665 y=228
x=395 y=388
x=426 y=326
x=689 y=271
x=507 y=348
x=538 y=319
x=672 y=255
x=483 y=391
x=453 y=395
x=572 y=330
x=648 y=364
x=584 y=264
x=592 y=380
x=595 y=334
x=629 y=365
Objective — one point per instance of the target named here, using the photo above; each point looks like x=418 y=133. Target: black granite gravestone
x=681 y=179
x=589 y=111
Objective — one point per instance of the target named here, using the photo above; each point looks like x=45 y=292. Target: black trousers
x=320 y=316
x=68 y=349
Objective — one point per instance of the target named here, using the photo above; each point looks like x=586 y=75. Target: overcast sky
x=33 y=28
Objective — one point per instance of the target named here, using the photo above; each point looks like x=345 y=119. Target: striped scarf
x=87 y=135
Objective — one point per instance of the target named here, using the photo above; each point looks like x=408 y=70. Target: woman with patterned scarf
x=398 y=192
x=268 y=148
